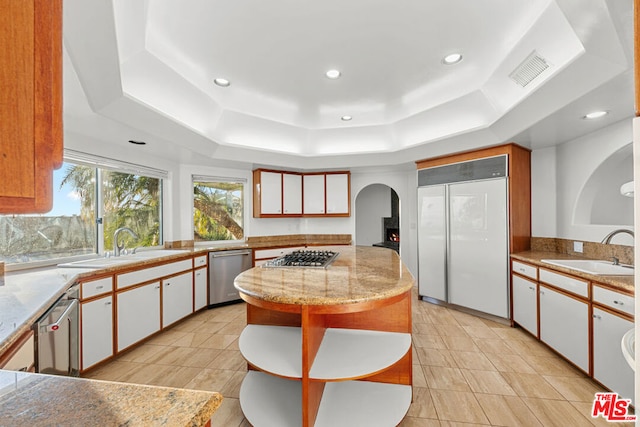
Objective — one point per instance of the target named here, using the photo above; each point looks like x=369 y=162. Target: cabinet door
x=337 y=191
x=432 y=242
x=270 y=192
x=313 y=194
x=292 y=194
x=609 y=365
x=525 y=303
x=138 y=314
x=199 y=288
x=97 y=331
x=31 y=99
x=564 y=326
x=177 y=298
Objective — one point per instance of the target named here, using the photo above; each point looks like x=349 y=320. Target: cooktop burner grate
x=304 y=258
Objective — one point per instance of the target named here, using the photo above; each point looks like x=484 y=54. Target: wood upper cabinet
x=30 y=103
x=282 y=194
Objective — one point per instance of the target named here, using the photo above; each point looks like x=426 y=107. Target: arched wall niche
x=600 y=201
x=374 y=203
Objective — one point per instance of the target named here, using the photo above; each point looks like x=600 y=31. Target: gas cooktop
x=304 y=258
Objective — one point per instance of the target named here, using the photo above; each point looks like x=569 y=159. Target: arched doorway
x=378 y=217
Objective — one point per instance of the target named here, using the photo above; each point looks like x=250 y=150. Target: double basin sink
x=121 y=260
x=596 y=267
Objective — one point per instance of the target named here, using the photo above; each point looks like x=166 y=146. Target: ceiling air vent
x=529 y=69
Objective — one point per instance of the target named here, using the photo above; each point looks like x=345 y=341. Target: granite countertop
x=623 y=283
x=27 y=294
x=358 y=274
x=46 y=400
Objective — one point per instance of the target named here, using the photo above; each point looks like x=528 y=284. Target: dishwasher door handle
x=215 y=255
x=52 y=327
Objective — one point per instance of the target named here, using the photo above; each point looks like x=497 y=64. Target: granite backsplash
x=591 y=250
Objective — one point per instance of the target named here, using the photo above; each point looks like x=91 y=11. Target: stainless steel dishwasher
x=57 y=337
x=224 y=266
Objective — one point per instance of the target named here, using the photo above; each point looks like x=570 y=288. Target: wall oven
x=57 y=337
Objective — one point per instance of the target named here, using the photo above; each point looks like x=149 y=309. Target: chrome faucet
x=117 y=248
x=608 y=237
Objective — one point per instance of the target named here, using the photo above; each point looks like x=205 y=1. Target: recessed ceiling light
x=332 y=74
x=595 y=115
x=137 y=142
x=222 y=82
x=452 y=58
x=346 y=118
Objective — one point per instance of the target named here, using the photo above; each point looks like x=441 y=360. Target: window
x=91 y=200
x=218 y=209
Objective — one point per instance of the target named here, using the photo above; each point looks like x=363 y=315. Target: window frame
x=100 y=164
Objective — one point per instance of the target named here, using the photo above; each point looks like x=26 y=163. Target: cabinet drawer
x=525 y=269
x=96 y=287
x=613 y=299
x=200 y=261
x=153 y=273
x=568 y=283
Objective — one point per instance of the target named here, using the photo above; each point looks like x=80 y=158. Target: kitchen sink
x=591 y=266
x=123 y=259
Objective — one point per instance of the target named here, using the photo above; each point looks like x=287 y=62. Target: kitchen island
x=46 y=400
x=328 y=346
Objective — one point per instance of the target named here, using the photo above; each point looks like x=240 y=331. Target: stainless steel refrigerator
x=463 y=244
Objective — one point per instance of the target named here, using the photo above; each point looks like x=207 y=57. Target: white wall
x=373 y=203
x=559 y=177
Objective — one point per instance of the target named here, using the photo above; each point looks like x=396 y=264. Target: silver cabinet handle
x=618 y=302
x=99 y=287
x=596 y=316
x=107 y=303
x=541 y=292
x=532 y=288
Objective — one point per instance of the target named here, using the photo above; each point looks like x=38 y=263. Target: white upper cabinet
x=337 y=193
x=292 y=194
x=313 y=194
x=270 y=189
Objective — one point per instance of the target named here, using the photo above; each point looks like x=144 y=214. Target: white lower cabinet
x=138 y=314
x=564 y=326
x=525 y=303
x=177 y=298
x=97 y=330
x=199 y=288
x=609 y=366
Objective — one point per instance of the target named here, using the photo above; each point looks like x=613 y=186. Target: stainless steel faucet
x=608 y=237
x=117 y=248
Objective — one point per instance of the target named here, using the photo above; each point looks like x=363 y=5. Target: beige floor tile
x=424 y=328
x=209 y=328
x=505 y=362
x=166 y=337
x=232 y=387
x=229 y=359
x=466 y=319
x=472 y=360
x=422 y=405
x=531 y=385
x=192 y=339
x=429 y=340
x=552 y=365
x=146 y=374
x=210 y=380
x=435 y=357
x=574 y=389
x=176 y=376
x=143 y=353
x=490 y=382
x=418 y=376
x=229 y=414
x=409 y=421
x=443 y=378
x=449 y=330
x=510 y=334
x=528 y=347
x=585 y=409
x=234 y=328
x=460 y=406
x=460 y=343
x=556 y=413
x=491 y=345
x=113 y=371
x=507 y=411
x=480 y=331
x=218 y=341
x=172 y=356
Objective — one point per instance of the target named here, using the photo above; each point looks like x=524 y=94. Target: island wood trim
x=519 y=186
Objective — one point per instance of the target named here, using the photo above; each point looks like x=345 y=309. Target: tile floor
x=467 y=370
